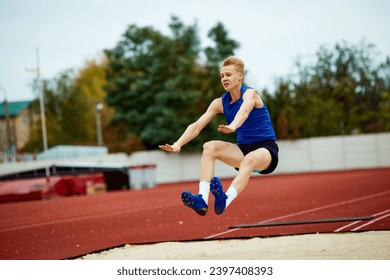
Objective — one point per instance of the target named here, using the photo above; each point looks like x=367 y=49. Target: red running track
x=70 y=227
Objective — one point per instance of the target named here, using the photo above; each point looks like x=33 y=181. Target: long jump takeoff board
x=302 y=222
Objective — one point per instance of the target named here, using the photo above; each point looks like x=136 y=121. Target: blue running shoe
x=195 y=202
x=220 y=196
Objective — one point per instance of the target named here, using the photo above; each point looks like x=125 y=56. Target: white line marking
x=343 y=227
x=354 y=223
x=307 y=211
x=221 y=233
x=370 y=222
x=380 y=213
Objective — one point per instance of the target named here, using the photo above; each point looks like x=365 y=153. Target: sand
x=373 y=245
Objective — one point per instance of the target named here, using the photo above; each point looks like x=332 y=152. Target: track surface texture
x=70 y=227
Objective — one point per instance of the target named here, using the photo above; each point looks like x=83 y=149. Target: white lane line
x=380 y=213
x=307 y=211
x=346 y=226
x=370 y=222
x=354 y=223
x=222 y=233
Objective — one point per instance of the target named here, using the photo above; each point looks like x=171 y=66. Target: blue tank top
x=256 y=128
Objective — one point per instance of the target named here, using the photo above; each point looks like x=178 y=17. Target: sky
x=272 y=34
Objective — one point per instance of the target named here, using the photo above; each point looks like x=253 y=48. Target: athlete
x=256 y=150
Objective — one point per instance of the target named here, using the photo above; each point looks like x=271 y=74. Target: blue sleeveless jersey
x=256 y=128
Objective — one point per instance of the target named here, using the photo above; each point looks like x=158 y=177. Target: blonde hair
x=238 y=63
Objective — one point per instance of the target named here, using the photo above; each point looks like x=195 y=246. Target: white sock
x=204 y=190
x=231 y=194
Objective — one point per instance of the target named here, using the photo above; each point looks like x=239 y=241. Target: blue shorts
x=270 y=145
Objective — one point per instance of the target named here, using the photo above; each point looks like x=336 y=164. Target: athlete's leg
x=259 y=159
x=218 y=150
x=213 y=150
x=229 y=154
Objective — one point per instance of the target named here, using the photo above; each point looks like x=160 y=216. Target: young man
x=248 y=117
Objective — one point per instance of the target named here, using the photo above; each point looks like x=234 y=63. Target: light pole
x=42 y=107
x=99 y=107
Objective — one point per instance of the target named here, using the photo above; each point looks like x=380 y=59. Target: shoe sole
x=189 y=202
x=217 y=191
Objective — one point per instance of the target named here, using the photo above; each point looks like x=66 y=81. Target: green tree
x=157 y=84
x=55 y=91
x=70 y=101
x=88 y=92
x=344 y=91
x=283 y=110
x=385 y=100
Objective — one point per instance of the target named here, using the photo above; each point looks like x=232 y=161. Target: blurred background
x=85 y=78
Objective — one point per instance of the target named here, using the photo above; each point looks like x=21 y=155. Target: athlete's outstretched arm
x=195 y=128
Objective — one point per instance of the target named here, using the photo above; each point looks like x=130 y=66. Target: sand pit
x=373 y=245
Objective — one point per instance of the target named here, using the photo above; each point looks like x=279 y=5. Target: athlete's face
x=230 y=77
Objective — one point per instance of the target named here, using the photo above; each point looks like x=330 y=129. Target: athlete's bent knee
x=248 y=162
x=210 y=147
x=259 y=159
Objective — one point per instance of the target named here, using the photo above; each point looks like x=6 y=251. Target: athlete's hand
x=226 y=129
x=170 y=148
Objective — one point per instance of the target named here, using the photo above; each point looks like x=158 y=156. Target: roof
x=14 y=108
